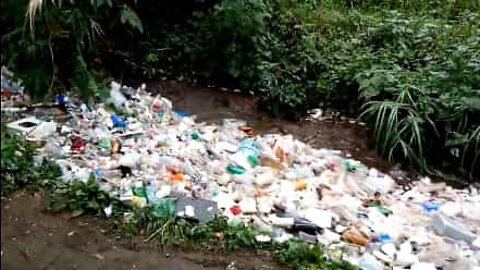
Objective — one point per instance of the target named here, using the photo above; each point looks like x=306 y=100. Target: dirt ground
x=33 y=239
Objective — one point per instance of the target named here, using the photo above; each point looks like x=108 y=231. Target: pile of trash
x=141 y=150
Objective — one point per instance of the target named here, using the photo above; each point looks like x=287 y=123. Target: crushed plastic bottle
x=444 y=225
x=116 y=96
x=369 y=262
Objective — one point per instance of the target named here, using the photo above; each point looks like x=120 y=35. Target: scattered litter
x=25 y=125
x=446 y=226
x=263 y=238
x=369 y=262
x=232 y=266
x=196 y=209
x=147 y=154
x=99 y=256
x=108 y=211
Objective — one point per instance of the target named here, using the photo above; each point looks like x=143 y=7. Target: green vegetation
x=18 y=167
x=220 y=235
x=410 y=69
x=61 y=44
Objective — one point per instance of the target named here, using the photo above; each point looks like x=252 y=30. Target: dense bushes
x=413 y=74
x=64 y=44
x=411 y=69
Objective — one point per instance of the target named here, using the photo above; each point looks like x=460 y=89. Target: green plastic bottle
x=235 y=169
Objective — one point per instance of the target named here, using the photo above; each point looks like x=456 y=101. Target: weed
x=18 y=167
x=219 y=234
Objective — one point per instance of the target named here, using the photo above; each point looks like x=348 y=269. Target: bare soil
x=34 y=239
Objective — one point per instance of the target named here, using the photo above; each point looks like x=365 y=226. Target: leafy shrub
x=18 y=167
x=79 y=198
x=62 y=43
x=412 y=73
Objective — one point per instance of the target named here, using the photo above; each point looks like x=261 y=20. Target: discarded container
x=476 y=243
x=286 y=222
x=78 y=144
x=432 y=188
x=328 y=237
x=451 y=209
x=235 y=210
x=376 y=183
x=164 y=208
x=118 y=121
x=116 y=96
x=235 y=169
x=108 y=211
x=405 y=259
x=266 y=161
x=115 y=146
x=446 y=226
x=25 y=125
x=248 y=131
x=319 y=217
x=423 y=266
x=382 y=238
x=42 y=131
x=430 y=206
x=354 y=236
x=300 y=185
x=61 y=99
x=382 y=256
x=389 y=249
x=263 y=238
x=264 y=178
x=306 y=227
x=369 y=262
x=309 y=238
x=196 y=209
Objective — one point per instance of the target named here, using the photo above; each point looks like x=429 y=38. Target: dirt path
x=32 y=239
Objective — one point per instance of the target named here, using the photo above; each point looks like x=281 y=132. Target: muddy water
x=212 y=105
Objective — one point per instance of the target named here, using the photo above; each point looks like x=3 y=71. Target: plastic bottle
x=151 y=192
x=116 y=96
x=446 y=226
x=234 y=169
x=430 y=206
x=369 y=262
x=118 y=121
x=248 y=154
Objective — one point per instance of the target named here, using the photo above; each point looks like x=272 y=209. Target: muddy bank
x=33 y=239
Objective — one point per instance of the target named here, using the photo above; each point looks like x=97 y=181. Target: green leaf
x=472 y=102
x=130 y=17
x=93 y=204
